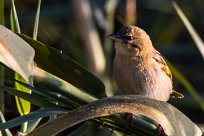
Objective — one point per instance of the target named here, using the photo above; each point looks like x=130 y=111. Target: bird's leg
x=128 y=118
x=160 y=131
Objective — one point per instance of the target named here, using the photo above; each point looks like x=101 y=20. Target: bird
x=138 y=68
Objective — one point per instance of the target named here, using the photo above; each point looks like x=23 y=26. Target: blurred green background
x=79 y=29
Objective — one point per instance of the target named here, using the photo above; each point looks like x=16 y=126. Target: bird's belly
x=141 y=81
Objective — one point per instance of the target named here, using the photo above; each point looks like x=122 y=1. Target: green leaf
x=2 y=69
x=196 y=38
x=23 y=106
x=65 y=68
x=189 y=87
x=62 y=87
x=35 y=99
x=33 y=124
x=31 y=116
x=12 y=27
x=15 y=18
x=2 y=12
x=35 y=32
x=54 y=97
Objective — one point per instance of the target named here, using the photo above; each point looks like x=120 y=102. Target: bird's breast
x=134 y=76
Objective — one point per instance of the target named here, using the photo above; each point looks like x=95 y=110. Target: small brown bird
x=139 y=68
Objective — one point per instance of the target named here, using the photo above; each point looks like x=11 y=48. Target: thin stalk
x=2 y=69
x=90 y=37
x=110 y=7
x=196 y=38
x=35 y=31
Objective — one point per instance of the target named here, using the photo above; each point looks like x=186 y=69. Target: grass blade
x=2 y=69
x=31 y=116
x=2 y=21
x=179 y=76
x=15 y=18
x=33 y=124
x=35 y=99
x=196 y=38
x=35 y=30
x=66 y=88
x=49 y=95
x=90 y=37
x=5 y=132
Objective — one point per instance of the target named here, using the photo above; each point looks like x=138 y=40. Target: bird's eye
x=135 y=46
x=129 y=37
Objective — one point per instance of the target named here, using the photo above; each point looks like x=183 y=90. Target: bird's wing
x=162 y=64
x=167 y=71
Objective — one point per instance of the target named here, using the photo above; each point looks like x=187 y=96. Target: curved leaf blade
x=62 y=87
x=171 y=119
x=35 y=99
x=54 y=97
x=31 y=116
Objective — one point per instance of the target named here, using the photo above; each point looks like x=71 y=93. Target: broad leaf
x=65 y=68
x=16 y=53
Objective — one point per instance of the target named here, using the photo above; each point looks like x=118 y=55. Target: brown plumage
x=138 y=66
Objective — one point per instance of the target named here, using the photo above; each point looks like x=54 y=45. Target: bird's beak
x=115 y=37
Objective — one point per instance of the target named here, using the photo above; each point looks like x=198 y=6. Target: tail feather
x=176 y=94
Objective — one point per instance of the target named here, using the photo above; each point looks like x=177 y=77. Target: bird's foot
x=160 y=131
x=128 y=119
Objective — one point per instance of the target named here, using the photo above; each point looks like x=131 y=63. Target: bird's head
x=131 y=40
